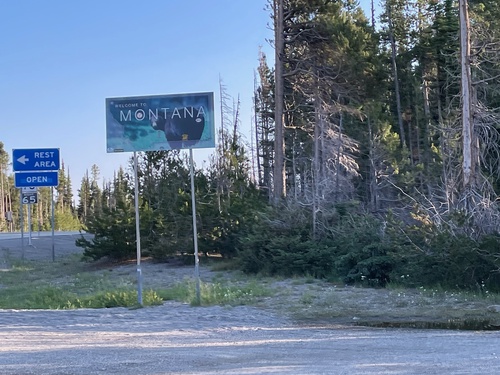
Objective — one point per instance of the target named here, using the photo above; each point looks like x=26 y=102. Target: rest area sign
x=42 y=159
x=36 y=167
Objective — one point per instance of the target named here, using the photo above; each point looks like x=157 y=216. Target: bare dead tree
x=469 y=164
x=469 y=141
x=279 y=136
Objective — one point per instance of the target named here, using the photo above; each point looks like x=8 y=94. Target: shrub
x=114 y=235
x=453 y=261
x=280 y=243
x=364 y=255
x=286 y=256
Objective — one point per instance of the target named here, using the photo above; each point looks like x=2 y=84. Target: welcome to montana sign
x=160 y=122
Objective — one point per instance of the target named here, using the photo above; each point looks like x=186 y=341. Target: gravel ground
x=176 y=338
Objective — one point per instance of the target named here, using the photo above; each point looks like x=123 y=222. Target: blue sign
x=33 y=179
x=42 y=159
x=161 y=122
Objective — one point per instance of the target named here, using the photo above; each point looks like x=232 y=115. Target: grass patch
x=47 y=297
x=217 y=293
x=303 y=280
x=66 y=284
x=70 y=283
x=124 y=298
x=221 y=264
x=307 y=298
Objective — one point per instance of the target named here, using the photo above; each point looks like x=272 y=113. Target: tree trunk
x=427 y=125
x=402 y=137
x=374 y=202
x=3 y=200
x=294 y=167
x=339 y=157
x=255 y=138
x=316 y=162
x=468 y=164
x=279 y=144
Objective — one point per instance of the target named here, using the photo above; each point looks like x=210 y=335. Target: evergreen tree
x=95 y=191
x=6 y=219
x=360 y=120
x=83 y=210
x=264 y=124
x=227 y=195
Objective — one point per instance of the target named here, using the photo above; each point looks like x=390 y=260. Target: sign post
x=137 y=232
x=29 y=196
x=195 y=231
x=160 y=123
x=35 y=168
x=21 y=217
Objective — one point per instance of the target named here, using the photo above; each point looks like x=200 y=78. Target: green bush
x=286 y=256
x=221 y=227
x=364 y=255
x=361 y=249
x=453 y=261
x=114 y=235
x=280 y=243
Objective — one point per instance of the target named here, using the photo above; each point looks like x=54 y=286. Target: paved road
x=42 y=246
x=35 y=235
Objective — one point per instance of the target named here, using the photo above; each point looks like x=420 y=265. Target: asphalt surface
x=40 y=246
x=178 y=339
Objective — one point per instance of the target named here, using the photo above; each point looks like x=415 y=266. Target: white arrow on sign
x=23 y=159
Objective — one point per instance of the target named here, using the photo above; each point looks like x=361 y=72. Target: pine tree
x=83 y=210
x=5 y=197
x=95 y=191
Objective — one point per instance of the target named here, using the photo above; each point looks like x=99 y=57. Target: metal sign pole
x=195 y=231
x=22 y=223
x=52 y=205
x=192 y=112
x=29 y=225
x=40 y=168
x=137 y=233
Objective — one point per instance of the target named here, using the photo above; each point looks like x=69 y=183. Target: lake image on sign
x=164 y=122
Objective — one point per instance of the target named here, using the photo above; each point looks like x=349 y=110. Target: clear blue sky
x=60 y=59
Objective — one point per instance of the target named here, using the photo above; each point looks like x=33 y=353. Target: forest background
x=374 y=157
